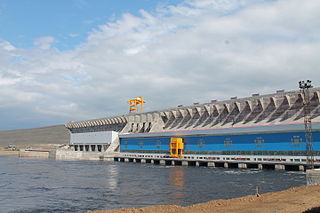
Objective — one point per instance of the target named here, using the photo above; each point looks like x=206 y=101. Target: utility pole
x=304 y=89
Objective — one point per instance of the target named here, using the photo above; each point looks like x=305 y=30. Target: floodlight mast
x=304 y=89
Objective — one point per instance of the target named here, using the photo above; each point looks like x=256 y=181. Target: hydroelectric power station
x=261 y=131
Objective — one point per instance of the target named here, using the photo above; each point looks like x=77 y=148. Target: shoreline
x=293 y=200
x=3 y=152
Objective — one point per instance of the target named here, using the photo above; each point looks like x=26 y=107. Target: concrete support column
x=173 y=163
x=134 y=160
x=226 y=165
x=279 y=167
x=126 y=160
x=211 y=164
x=301 y=168
x=184 y=163
x=143 y=161
x=90 y=148
x=260 y=166
x=152 y=161
x=197 y=163
x=313 y=177
x=119 y=159
x=162 y=162
x=242 y=165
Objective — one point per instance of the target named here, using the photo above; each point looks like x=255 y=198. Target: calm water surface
x=32 y=185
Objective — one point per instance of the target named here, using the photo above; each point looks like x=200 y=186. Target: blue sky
x=68 y=21
x=63 y=60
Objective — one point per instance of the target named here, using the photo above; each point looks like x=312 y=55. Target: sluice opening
x=203 y=163
x=268 y=166
x=292 y=167
x=121 y=159
x=87 y=148
x=232 y=165
x=178 y=163
x=99 y=148
x=168 y=163
x=219 y=164
x=191 y=163
x=156 y=161
x=148 y=160
x=252 y=166
x=130 y=159
x=138 y=160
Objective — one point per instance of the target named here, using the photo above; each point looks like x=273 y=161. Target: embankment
x=294 y=200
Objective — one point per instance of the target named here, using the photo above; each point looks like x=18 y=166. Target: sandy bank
x=298 y=199
x=9 y=152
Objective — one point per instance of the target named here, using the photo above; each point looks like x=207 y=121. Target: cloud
x=5 y=45
x=44 y=43
x=193 y=52
x=74 y=35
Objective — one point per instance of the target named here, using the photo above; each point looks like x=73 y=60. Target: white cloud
x=5 y=45
x=74 y=35
x=194 y=52
x=44 y=43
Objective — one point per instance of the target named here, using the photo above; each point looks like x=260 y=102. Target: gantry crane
x=136 y=104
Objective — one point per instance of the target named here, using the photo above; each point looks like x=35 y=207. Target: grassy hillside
x=43 y=135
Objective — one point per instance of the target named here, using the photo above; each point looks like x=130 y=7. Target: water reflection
x=177 y=181
x=113 y=177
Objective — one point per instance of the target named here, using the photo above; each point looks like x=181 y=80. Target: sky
x=68 y=60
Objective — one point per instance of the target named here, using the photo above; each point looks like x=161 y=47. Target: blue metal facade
x=283 y=141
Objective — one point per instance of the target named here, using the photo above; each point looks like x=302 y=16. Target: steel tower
x=304 y=88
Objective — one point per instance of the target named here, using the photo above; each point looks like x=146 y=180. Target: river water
x=45 y=185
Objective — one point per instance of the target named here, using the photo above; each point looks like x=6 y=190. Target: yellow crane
x=136 y=105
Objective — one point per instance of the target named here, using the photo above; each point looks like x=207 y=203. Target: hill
x=44 y=135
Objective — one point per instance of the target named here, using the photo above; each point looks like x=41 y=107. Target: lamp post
x=304 y=88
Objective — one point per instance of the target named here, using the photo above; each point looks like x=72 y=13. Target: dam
x=260 y=131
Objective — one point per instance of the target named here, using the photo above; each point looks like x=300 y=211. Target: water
x=37 y=185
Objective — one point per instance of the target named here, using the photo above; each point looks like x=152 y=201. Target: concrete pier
x=173 y=163
x=242 y=165
x=211 y=164
x=185 y=163
x=197 y=163
x=260 y=166
x=279 y=167
x=226 y=165
x=313 y=177
x=162 y=162
x=301 y=168
x=143 y=161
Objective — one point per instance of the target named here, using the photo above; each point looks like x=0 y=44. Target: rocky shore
x=294 y=200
